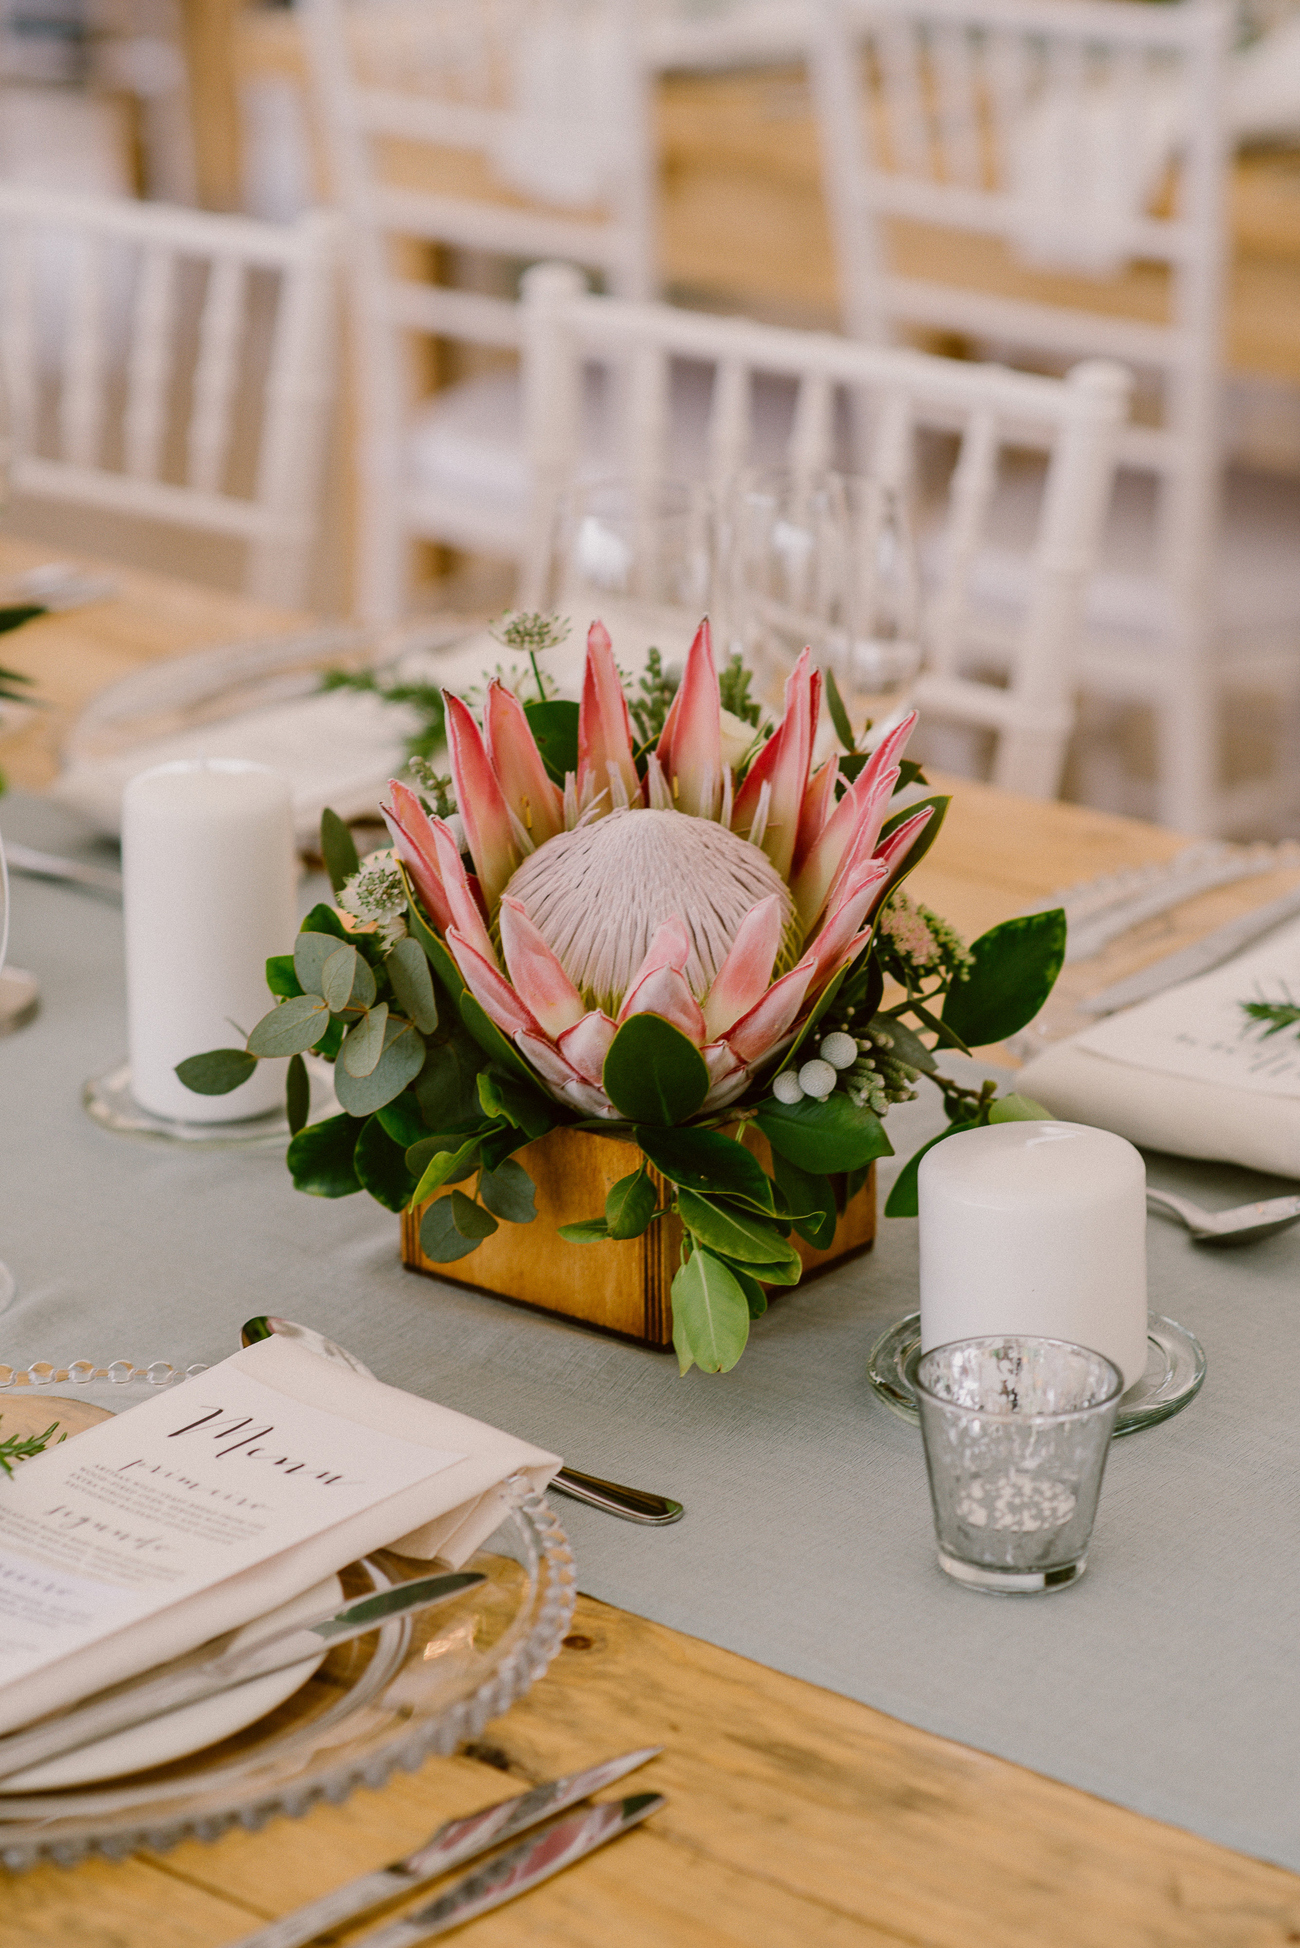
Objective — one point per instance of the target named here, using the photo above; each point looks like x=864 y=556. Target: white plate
x=179 y=1733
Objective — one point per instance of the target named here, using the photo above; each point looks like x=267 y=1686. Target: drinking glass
x=826 y=560
x=1016 y=1430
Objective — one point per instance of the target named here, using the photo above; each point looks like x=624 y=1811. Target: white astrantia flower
x=375 y=893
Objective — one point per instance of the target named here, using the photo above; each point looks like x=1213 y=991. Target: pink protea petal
x=536 y=974
x=587 y=1044
x=828 y=949
x=744 y=975
x=591 y=1100
x=726 y=1091
x=604 y=727
x=664 y=991
x=784 y=763
x=490 y=988
x=546 y=1059
x=459 y=891
x=757 y=1032
x=669 y=947
x=721 y=1062
x=408 y=826
x=690 y=745
x=479 y=799
x=513 y=754
x=896 y=847
x=818 y=804
x=865 y=800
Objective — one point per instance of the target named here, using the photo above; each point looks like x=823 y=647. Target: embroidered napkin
x=210 y=1505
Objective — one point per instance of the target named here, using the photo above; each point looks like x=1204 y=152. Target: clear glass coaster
x=108 y=1101
x=1175 y=1370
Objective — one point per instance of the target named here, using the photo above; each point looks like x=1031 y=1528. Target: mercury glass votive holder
x=1016 y=1430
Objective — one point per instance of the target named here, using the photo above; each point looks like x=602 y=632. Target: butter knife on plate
x=211 y=1668
x=451 y=1846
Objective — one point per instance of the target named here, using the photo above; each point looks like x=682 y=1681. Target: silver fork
x=1235 y=1227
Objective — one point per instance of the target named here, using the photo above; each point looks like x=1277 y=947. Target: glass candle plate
x=1175 y=1370
x=416 y=1686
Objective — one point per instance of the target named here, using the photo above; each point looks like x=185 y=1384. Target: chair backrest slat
x=150 y=366
x=215 y=375
x=82 y=404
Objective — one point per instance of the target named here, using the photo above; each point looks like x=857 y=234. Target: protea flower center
x=598 y=894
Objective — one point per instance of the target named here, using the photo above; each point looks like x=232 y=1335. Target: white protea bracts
x=723 y=907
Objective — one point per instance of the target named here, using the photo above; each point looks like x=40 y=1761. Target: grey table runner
x=1166 y=1681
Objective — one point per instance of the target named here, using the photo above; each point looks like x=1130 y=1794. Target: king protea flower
x=725 y=908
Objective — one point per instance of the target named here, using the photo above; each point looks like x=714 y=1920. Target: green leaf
x=470 y=1219
x=755 y=1296
x=517 y=1102
x=589 y=1231
x=1018 y=1109
x=901 y=1201
x=710 y=1315
x=447 y=1090
x=735 y=1233
x=509 y=1192
x=408 y=970
x=704 y=1161
x=346 y=980
x=13 y=616
x=909 y=773
x=839 y=715
x=297 y=1095
x=439 y=1238
x=310 y=953
x=217 y=1072
x=400 y=1063
x=824 y=1137
x=555 y=730
x=434 y=946
x=364 y=1042
x=320 y=1158
x=381 y=1166
x=1014 y=967
x=281 y=977
x=652 y=1074
x=906 y=1046
x=491 y=1040
x=337 y=849
x=451 y=1163
x=403 y=1121
x=290 y=1027
x=630 y=1205
x=811 y=1200
x=324 y=919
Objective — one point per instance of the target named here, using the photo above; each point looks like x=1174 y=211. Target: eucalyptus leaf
x=1015 y=965
x=381 y=1166
x=629 y=1205
x=447 y=1086
x=293 y=1026
x=310 y=953
x=321 y=1158
x=400 y=1063
x=811 y=1200
x=704 y=1161
x=217 y=1072
x=338 y=849
x=408 y=970
x=734 y=1232
x=439 y=1238
x=470 y=1219
x=450 y=1165
x=902 y=1199
x=824 y=1137
x=588 y=1231
x=509 y=1192
x=297 y=1095
x=346 y=980
x=710 y=1315
x=364 y=1042
x=652 y=1074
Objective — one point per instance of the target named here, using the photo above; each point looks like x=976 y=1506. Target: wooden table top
x=795 y=1816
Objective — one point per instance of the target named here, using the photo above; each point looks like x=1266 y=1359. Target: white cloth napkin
x=447 y=1515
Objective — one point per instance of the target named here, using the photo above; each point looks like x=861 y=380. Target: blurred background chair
x=1043 y=180
x=1072 y=421
x=171 y=366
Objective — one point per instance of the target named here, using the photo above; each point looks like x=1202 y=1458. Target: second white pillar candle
x=1036 y=1228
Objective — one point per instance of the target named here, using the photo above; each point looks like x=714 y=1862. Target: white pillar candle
x=208 y=872
x=1036 y=1228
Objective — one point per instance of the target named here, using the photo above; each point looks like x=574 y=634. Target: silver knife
x=48 y=865
x=515 y=1871
x=451 y=1846
x=212 y=1668
x=1199 y=958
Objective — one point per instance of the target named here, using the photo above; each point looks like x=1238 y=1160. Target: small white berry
x=840 y=1050
x=817 y=1078
x=787 y=1088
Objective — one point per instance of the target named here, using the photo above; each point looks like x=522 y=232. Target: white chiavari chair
x=995 y=413
x=176 y=368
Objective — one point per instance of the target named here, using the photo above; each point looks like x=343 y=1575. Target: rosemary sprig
x=1278 y=1014
x=21 y=1447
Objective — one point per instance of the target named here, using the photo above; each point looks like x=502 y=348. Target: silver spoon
x=633 y=1504
x=1235 y=1227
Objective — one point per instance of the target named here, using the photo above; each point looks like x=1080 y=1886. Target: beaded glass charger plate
x=1175 y=1370
x=414 y=1686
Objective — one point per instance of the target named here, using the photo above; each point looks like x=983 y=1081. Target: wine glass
x=826 y=561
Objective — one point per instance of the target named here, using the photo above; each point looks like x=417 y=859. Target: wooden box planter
x=620 y=1287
